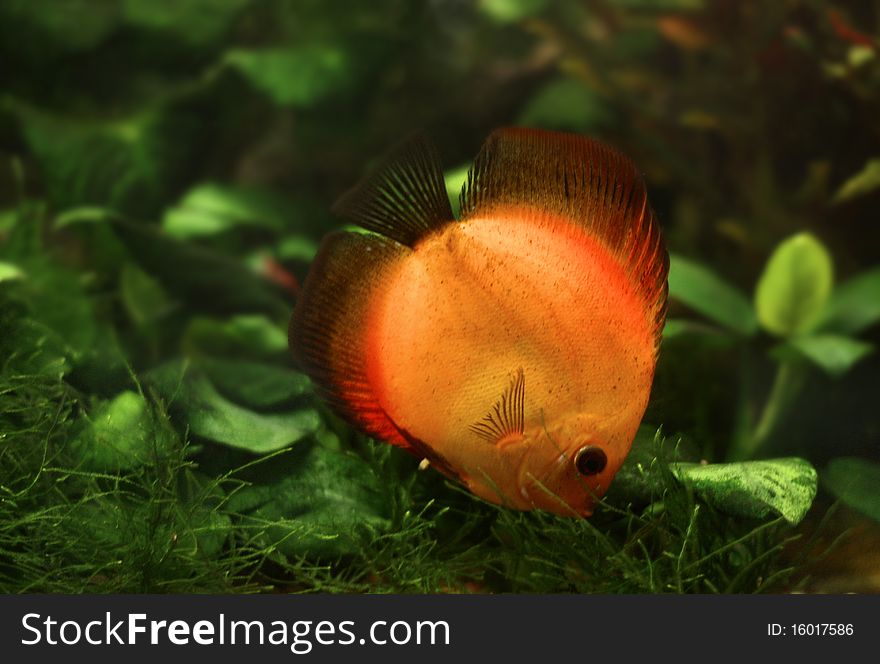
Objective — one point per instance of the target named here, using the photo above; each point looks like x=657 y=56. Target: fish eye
x=590 y=460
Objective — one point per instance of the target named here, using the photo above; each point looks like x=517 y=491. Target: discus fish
x=512 y=349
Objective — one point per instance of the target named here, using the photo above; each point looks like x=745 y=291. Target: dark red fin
x=507 y=416
x=327 y=327
x=404 y=198
x=583 y=180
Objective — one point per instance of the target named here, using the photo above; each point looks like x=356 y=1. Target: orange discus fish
x=514 y=348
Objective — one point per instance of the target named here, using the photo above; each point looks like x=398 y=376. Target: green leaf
x=854 y=306
x=88 y=163
x=705 y=292
x=298 y=76
x=143 y=297
x=117 y=436
x=28 y=347
x=198 y=22
x=863 y=182
x=8 y=220
x=255 y=384
x=241 y=336
x=69 y=26
x=794 y=286
x=9 y=272
x=754 y=488
x=83 y=215
x=640 y=478
x=208 y=280
x=677 y=328
x=856 y=482
x=211 y=208
x=296 y=248
x=833 y=353
x=567 y=104
x=196 y=402
x=508 y=11
x=55 y=298
x=455 y=180
x=319 y=503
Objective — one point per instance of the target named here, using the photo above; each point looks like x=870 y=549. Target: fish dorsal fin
x=584 y=181
x=507 y=416
x=404 y=198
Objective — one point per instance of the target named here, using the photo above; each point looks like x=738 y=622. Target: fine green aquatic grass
x=167 y=527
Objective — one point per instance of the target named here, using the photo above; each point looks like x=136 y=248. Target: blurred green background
x=166 y=173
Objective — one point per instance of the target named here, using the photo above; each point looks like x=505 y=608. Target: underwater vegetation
x=167 y=170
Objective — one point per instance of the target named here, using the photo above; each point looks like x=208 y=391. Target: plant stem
x=786 y=384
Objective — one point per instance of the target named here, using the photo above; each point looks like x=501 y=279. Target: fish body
x=513 y=348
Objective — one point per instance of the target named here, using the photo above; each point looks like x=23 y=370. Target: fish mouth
x=541 y=497
x=541 y=492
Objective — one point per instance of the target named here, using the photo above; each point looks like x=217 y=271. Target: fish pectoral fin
x=506 y=418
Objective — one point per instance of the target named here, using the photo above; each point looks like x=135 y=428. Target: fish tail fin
x=326 y=331
x=585 y=181
x=404 y=198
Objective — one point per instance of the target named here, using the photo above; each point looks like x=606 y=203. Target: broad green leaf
x=794 y=286
x=863 y=182
x=508 y=11
x=84 y=215
x=207 y=280
x=241 y=336
x=297 y=76
x=318 y=503
x=68 y=26
x=54 y=297
x=88 y=163
x=143 y=297
x=567 y=104
x=455 y=180
x=859 y=55
x=117 y=436
x=9 y=272
x=211 y=208
x=198 y=22
x=254 y=384
x=205 y=412
x=8 y=220
x=678 y=328
x=705 y=292
x=856 y=482
x=641 y=478
x=854 y=305
x=754 y=489
x=28 y=347
x=296 y=248
x=833 y=353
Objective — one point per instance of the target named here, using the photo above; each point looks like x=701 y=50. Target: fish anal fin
x=326 y=328
x=591 y=185
x=404 y=198
x=505 y=421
